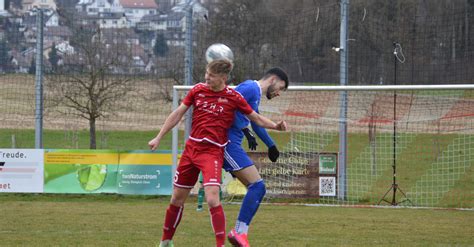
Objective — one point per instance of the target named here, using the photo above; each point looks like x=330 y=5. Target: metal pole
x=344 y=62
x=174 y=141
x=394 y=135
x=188 y=61
x=39 y=80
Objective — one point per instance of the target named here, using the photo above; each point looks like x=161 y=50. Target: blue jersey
x=252 y=93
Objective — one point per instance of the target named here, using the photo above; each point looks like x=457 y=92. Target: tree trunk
x=92 y=134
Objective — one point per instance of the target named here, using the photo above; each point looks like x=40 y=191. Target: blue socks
x=250 y=204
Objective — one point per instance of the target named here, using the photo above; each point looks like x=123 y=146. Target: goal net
x=413 y=146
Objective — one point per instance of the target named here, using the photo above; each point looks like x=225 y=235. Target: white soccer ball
x=219 y=51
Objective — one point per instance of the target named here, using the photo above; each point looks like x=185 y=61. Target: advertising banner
x=108 y=171
x=21 y=170
x=80 y=171
x=298 y=174
x=145 y=173
x=327 y=164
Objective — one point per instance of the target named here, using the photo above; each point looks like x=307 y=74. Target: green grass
x=59 y=139
x=121 y=140
x=113 y=220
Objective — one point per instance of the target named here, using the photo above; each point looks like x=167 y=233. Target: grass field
x=111 y=220
x=54 y=139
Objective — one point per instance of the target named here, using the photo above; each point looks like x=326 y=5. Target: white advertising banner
x=21 y=170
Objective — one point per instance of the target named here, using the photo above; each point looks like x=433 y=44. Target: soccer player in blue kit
x=236 y=160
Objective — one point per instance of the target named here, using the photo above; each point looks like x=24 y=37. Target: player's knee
x=179 y=196
x=178 y=202
x=259 y=188
x=212 y=196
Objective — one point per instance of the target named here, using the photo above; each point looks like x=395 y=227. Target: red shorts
x=199 y=156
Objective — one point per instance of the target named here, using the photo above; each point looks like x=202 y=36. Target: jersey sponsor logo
x=222 y=100
x=212 y=108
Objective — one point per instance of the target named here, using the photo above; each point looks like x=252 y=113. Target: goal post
x=426 y=132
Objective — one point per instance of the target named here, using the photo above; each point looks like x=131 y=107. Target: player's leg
x=256 y=190
x=200 y=198
x=185 y=177
x=211 y=168
x=239 y=164
x=201 y=193
x=174 y=213
x=216 y=212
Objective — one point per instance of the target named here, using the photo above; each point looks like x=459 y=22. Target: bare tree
x=170 y=70
x=94 y=79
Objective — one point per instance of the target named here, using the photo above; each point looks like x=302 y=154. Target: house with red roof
x=136 y=9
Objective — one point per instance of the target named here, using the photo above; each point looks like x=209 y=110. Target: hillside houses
x=133 y=10
x=134 y=23
x=28 y=5
x=94 y=7
x=104 y=20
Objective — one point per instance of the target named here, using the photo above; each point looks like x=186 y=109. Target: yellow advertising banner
x=85 y=158
x=145 y=159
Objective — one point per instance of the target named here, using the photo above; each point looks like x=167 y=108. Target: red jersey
x=213 y=112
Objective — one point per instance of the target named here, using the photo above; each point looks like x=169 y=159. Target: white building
x=110 y=20
x=94 y=7
x=109 y=11
x=153 y=22
x=44 y=4
x=136 y=9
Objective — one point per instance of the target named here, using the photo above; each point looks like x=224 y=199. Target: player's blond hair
x=220 y=66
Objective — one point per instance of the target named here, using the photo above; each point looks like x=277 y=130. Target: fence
x=105 y=79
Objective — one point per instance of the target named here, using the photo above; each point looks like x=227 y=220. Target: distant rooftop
x=139 y=4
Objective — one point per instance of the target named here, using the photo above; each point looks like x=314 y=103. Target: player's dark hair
x=280 y=73
x=220 y=66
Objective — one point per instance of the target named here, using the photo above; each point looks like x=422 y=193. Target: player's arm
x=170 y=122
x=266 y=123
x=273 y=152
x=262 y=134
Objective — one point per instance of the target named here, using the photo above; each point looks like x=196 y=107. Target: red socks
x=218 y=224
x=174 y=214
x=172 y=219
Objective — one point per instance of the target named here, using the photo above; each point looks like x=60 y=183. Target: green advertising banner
x=327 y=163
x=80 y=171
x=107 y=171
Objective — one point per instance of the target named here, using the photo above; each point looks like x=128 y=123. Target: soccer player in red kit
x=214 y=107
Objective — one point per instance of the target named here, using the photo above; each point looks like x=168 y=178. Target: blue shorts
x=235 y=158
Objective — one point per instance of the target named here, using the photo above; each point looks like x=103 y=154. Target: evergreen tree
x=32 y=69
x=4 y=59
x=161 y=47
x=53 y=57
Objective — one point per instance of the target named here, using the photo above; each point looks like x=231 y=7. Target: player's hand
x=154 y=143
x=252 y=141
x=281 y=126
x=273 y=153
